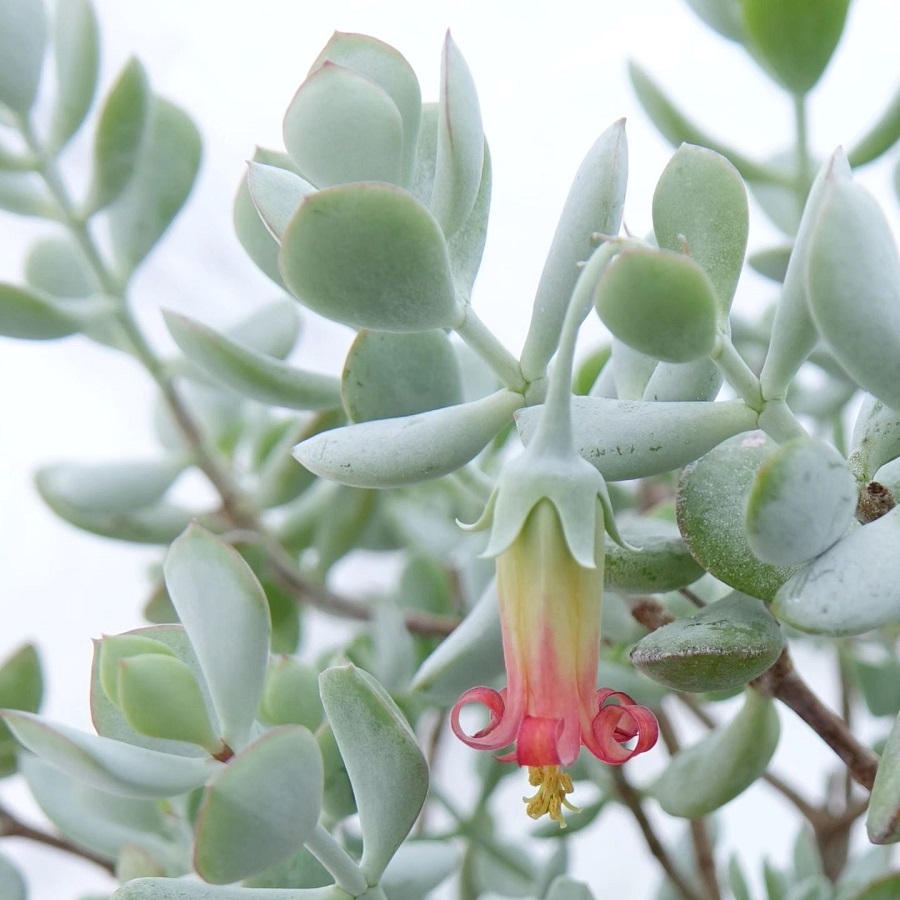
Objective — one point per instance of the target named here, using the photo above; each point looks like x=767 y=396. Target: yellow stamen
x=553 y=784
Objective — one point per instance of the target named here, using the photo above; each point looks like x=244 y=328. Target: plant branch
x=630 y=797
x=10 y=826
x=706 y=862
x=783 y=682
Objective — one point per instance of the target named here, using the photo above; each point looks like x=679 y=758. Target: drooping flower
x=550 y=614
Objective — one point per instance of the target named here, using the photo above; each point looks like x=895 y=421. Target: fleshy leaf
x=706 y=775
x=32 y=316
x=117 y=140
x=700 y=201
x=163 y=177
x=723 y=16
x=851 y=588
x=466 y=245
x=417 y=868
x=853 y=255
x=564 y=888
x=386 y=67
x=170 y=889
x=772 y=262
x=660 y=303
x=387 y=375
x=77 y=58
x=276 y=193
x=114 y=487
x=795 y=40
x=12 y=884
x=883 y=818
x=160 y=697
x=471 y=655
x=370 y=256
x=23 y=38
x=56 y=266
x=875 y=440
x=661 y=562
x=594 y=206
x=291 y=695
x=107 y=764
x=712 y=498
x=225 y=613
x=100 y=821
x=460 y=143
x=21 y=687
x=253 y=374
x=255 y=237
x=698 y=380
x=159 y=523
x=626 y=440
x=391 y=452
x=25 y=194
x=342 y=127
x=113 y=648
x=803 y=499
x=880 y=137
x=261 y=807
x=386 y=768
x=793 y=333
x=723 y=646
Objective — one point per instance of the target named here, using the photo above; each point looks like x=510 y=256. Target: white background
x=551 y=77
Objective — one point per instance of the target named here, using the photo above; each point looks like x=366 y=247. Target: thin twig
x=706 y=862
x=10 y=826
x=630 y=797
x=695 y=598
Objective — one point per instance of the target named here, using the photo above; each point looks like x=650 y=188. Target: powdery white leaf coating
x=851 y=588
x=803 y=499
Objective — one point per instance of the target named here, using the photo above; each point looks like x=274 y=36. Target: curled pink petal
x=486 y=739
x=537 y=743
x=616 y=723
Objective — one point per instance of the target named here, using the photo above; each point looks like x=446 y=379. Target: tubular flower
x=550 y=607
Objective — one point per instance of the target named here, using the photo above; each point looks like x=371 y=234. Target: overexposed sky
x=551 y=77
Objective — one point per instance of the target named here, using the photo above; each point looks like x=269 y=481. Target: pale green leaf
x=883 y=819
x=341 y=127
x=875 y=440
x=162 y=180
x=386 y=67
x=851 y=588
x=12 y=884
x=803 y=499
x=23 y=39
x=795 y=40
x=659 y=303
x=25 y=194
x=386 y=768
x=387 y=375
x=32 y=316
x=171 y=889
x=100 y=821
x=564 y=888
x=261 y=808
x=460 y=143
x=117 y=140
x=704 y=776
x=250 y=373
x=417 y=868
x=107 y=764
x=56 y=266
x=700 y=208
x=391 y=452
x=723 y=16
x=370 y=256
x=723 y=646
x=854 y=287
x=880 y=137
x=626 y=440
x=712 y=499
x=594 y=206
x=793 y=335
x=226 y=615
x=77 y=57
x=109 y=487
x=276 y=193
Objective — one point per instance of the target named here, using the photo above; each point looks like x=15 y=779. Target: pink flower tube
x=550 y=618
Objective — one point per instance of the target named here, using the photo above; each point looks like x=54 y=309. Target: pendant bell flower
x=548 y=515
